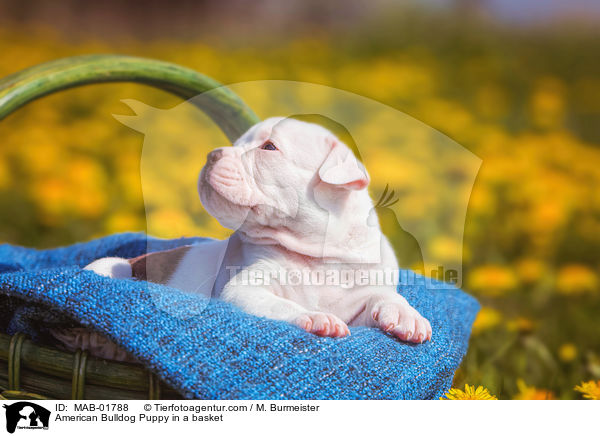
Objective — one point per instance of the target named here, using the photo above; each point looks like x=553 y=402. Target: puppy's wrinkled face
x=268 y=177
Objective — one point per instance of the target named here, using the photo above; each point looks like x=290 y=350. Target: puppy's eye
x=268 y=146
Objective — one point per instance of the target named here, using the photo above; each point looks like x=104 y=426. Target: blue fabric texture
x=211 y=349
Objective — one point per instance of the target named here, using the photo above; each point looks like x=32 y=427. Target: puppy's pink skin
x=322 y=324
x=402 y=321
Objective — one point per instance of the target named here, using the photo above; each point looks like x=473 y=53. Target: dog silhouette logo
x=26 y=415
x=408 y=249
x=432 y=176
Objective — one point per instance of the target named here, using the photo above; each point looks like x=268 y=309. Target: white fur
x=303 y=206
x=115 y=267
x=198 y=270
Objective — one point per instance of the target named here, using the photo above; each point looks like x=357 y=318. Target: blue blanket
x=212 y=350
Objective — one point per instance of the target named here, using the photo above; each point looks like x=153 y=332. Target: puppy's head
x=266 y=183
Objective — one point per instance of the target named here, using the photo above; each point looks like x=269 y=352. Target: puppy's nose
x=214 y=156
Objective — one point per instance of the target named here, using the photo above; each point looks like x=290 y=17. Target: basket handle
x=223 y=106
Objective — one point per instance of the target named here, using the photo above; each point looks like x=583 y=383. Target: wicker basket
x=30 y=371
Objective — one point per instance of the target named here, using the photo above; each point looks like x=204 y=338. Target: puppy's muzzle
x=225 y=173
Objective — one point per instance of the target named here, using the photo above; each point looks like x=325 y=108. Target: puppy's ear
x=342 y=169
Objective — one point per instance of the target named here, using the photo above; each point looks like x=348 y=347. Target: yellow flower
x=576 y=279
x=532 y=393
x=520 y=324
x=567 y=352
x=547 y=103
x=530 y=270
x=590 y=389
x=492 y=280
x=546 y=217
x=470 y=393
x=124 y=222
x=445 y=249
x=487 y=318
x=170 y=223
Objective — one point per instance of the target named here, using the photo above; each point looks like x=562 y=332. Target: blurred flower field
x=70 y=172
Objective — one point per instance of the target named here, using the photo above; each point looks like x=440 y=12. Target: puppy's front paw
x=322 y=324
x=402 y=321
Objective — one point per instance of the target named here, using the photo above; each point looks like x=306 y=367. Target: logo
x=421 y=178
x=26 y=415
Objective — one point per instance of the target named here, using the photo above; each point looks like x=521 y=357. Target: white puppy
x=296 y=197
